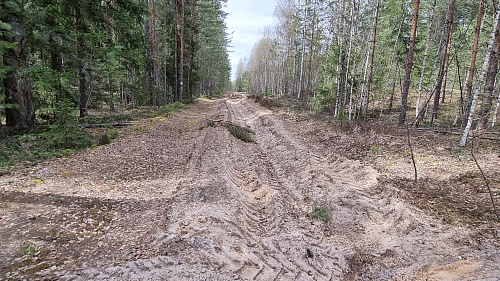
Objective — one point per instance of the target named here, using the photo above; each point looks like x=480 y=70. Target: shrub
x=65 y=132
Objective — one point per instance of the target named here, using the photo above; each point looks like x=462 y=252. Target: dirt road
x=186 y=200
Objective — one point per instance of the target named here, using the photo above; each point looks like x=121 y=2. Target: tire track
x=245 y=115
x=243 y=211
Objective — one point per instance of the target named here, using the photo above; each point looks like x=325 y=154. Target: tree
x=444 y=59
x=240 y=77
x=489 y=54
x=409 y=64
x=472 y=68
x=372 y=58
x=19 y=108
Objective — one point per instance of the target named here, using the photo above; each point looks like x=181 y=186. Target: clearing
x=183 y=198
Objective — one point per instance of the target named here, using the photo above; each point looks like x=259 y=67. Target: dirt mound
x=184 y=200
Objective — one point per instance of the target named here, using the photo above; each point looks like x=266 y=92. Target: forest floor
x=184 y=198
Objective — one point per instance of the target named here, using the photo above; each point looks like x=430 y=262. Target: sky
x=246 y=22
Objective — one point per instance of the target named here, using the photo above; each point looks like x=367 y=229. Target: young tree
x=240 y=79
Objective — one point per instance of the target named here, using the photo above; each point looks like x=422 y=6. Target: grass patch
x=29 y=250
x=320 y=212
x=241 y=135
x=238 y=132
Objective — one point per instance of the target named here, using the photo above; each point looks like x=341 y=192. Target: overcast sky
x=246 y=22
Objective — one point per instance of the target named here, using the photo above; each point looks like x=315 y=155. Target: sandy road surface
x=188 y=201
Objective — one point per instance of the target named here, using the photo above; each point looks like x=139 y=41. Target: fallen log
x=117 y=124
x=445 y=132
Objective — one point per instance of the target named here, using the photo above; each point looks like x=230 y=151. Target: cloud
x=246 y=22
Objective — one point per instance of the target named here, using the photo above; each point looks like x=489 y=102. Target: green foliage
x=25 y=149
x=65 y=132
x=238 y=132
x=320 y=212
x=324 y=99
x=317 y=104
x=173 y=107
x=461 y=154
x=241 y=135
x=29 y=249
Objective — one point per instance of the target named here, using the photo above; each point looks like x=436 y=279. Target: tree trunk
x=372 y=59
x=361 y=99
x=489 y=86
x=165 y=53
x=389 y=72
x=495 y=114
x=80 y=53
x=472 y=69
x=445 y=79
x=112 y=94
x=349 y=53
x=55 y=59
x=424 y=63
x=339 y=64
x=176 y=51
x=351 y=91
x=409 y=65
x=153 y=78
x=311 y=50
x=19 y=109
x=299 y=95
x=479 y=83
x=442 y=66
x=181 y=65
x=149 y=63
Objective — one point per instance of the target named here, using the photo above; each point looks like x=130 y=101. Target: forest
x=360 y=60
x=358 y=141
x=66 y=65
x=100 y=54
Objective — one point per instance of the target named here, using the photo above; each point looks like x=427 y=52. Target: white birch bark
x=339 y=63
x=479 y=83
x=497 y=105
x=303 y=51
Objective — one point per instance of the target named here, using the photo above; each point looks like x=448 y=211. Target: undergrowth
x=136 y=114
x=22 y=147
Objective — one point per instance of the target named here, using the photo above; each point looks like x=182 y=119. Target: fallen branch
x=411 y=151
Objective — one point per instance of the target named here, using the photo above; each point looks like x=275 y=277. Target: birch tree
x=479 y=84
